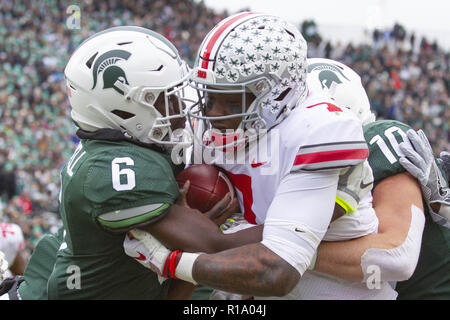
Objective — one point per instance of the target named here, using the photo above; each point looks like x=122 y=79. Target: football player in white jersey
x=251 y=75
x=11 y=244
x=344 y=259
x=392 y=253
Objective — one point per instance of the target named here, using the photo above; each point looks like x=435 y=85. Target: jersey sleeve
x=332 y=139
x=130 y=188
x=299 y=216
x=40 y=266
x=383 y=138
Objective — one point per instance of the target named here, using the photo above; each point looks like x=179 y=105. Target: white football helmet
x=115 y=77
x=340 y=83
x=257 y=53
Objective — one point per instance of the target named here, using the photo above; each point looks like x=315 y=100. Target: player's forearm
x=343 y=259
x=249 y=270
x=186 y=229
x=19 y=264
x=393 y=199
x=204 y=238
x=239 y=238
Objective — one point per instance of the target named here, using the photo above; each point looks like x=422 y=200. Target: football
x=208 y=186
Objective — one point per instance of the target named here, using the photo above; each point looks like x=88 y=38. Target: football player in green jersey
x=391 y=151
x=125 y=88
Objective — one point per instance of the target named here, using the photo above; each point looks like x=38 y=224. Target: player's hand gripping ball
x=208 y=185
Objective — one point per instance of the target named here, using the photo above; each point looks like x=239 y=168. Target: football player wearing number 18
x=250 y=75
x=395 y=249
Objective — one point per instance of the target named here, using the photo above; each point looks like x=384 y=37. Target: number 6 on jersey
x=116 y=172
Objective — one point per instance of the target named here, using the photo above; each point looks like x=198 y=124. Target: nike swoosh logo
x=141 y=257
x=364 y=185
x=299 y=230
x=255 y=165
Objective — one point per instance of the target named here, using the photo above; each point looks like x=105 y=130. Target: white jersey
x=318 y=136
x=11 y=241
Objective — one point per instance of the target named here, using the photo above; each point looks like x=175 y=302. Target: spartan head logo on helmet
x=106 y=64
x=328 y=74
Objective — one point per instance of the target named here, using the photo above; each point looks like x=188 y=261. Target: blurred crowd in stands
x=406 y=79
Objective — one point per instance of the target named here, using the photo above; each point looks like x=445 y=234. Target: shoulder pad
x=328 y=137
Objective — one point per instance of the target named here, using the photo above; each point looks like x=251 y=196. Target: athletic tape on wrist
x=183 y=270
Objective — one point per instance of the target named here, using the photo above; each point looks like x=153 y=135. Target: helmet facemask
x=174 y=102
x=251 y=123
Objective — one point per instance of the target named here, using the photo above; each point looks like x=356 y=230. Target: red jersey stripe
x=243 y=183
x=334 y=155
x=331 y=107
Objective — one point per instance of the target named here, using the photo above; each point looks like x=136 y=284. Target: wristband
x=183 y=270
x=171 y=263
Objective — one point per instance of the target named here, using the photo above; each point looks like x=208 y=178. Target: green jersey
x=431 y=279
x=107 y=188
x=40 y=266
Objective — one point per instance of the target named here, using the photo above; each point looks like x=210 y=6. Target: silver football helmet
x=251 y=53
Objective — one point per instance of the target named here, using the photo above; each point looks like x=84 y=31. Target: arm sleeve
x=332 y=140
x=299 y=216
x=399 y=263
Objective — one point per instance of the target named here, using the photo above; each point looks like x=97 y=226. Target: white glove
x=354 y=183
x=3 y=266
x=421 y=164
x=444 y=160
x=152 y=254
x=146 y=250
